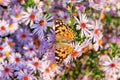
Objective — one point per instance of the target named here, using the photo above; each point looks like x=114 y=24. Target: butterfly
x=64 y=35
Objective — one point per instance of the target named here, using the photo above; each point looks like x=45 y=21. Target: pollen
x=10 y=25
x=7 y=54
x=65 y=17
x=83 y=25
x=91 y=47
x=47 y=70
x=11 y=43
x=23 y=36
x=112 y=65
x=18 y=15
x=31 y=49
x=74 y=54
x=36 y=64
x=100 y=42
x=41 y=23
x=97 y=31
x=7 y=70
x=17 y=59
x=85 y=49
x=32 y=16
x=26 y=78
x=3 y=28
x=53 y=65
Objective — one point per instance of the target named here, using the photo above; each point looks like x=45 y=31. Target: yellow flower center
x=105 y=6
x=91 y=47
x=11 y=43
x=100 y=42
x=1 y=1
x=53 y=65
x=85 y=49
x=10 y=25
x=7 y=54
x=18 y=15
x=102 y=16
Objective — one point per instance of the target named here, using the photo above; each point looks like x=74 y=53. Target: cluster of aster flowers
x=27 y=39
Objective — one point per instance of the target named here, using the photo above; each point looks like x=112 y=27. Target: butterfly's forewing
x=62 y=32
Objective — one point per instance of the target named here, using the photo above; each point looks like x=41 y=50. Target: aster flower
x=29 y=15
x=55 y=68
x=22 y=67
x=79 y=49
x=23 y=36
x=12 y=26
x=35 y=64
x=76 y=52
x=7 y=71
x=85 y=47
x=98 y=43
x=103 y=57
x=11 y=43
x=97 y=31
x=15 y=59
x=3 y=28
x=16 y=13
x=30 y=50
x=111 y=66
x=47 y=73
x=6 y=51
x=41 y=24
x=84 y=25
x=64 y=15
x=25 y=76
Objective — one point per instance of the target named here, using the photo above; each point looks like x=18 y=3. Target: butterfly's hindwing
x=62 y=51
